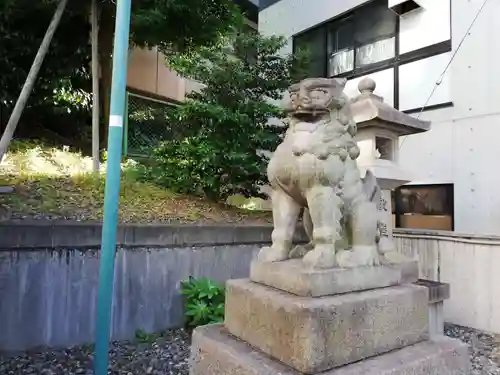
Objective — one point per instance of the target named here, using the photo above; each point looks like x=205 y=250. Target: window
x=385 y=148
x=313 y=43
x=361 y=42
x=374 y=34
x=424 y=206
x=340 y=47
x=365 y=37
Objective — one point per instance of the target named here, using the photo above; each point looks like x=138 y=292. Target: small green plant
x=204 y=301
x=143 y=337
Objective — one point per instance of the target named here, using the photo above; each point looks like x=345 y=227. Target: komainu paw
x=360 y=256
x=323 y=256
x=272 y=254
x=300 y=251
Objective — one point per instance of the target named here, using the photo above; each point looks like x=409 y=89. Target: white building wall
x=463 y=146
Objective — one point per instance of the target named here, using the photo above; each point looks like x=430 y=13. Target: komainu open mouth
x=308 y=116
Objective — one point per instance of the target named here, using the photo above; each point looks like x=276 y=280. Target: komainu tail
x=374 y=194
x=371 y=187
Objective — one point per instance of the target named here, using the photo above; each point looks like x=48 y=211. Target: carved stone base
x=317 y=334
x=216 y=352
x=291 y=276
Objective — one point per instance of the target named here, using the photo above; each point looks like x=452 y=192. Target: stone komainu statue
x=315 y=168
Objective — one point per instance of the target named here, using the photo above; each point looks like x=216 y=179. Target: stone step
x=291 y=276
x=215 y=352
x=318 y=334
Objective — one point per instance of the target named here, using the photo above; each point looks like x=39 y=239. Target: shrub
x=225 y=125
x=204 y=301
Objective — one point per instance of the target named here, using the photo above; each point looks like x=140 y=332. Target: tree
x=172 y=25
x=225 y=125
x=58 y=97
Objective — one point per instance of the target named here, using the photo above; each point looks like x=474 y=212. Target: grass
x=57 y=184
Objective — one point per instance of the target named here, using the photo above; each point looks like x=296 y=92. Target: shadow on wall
x=48 y=297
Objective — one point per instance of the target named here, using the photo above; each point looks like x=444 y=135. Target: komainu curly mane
x=314 y=168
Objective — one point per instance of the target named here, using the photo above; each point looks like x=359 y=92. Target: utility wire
x=441 y=77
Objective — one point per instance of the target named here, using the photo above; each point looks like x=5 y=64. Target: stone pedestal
x=286 y=320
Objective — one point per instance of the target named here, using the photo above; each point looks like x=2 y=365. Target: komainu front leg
x=285 y=214
x=325 y=209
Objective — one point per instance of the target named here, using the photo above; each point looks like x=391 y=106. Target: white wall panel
x=418 y=79
x=385 y=85
x=289 y=17
x=425 y=26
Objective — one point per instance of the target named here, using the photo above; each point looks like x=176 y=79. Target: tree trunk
x=30 y=80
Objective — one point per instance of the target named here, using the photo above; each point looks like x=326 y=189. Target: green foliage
x=22 y=26
x=170 y=24
x=181 y=24
x=143 y=337
x=204 y=301
x=225 y=125
x=59 y=106
x=50 y=108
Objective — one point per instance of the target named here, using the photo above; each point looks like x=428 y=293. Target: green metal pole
x=112 y=189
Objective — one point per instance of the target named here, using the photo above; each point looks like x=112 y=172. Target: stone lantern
x=379 y=129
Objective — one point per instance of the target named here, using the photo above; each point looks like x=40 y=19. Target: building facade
x=148 y=75
x=433 y=59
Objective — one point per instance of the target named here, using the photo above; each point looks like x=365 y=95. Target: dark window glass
x=313 y=42
x=373 y=22
x=341 y=47
x=426 y=207
x=365 y=37
x=375 y=33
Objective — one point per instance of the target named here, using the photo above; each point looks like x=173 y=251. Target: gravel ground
x=168 y=354
x=484 y=348
x=165 y=355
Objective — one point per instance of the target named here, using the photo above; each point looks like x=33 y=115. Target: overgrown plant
x=225 y=125
x=204 y=301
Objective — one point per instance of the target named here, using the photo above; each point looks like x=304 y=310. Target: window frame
x=394 y=62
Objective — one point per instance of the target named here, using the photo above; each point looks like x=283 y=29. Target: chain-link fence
x=147 y=124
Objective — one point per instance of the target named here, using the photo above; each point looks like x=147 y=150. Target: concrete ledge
x=438 y=291
x=59 y=234
x=291 y=276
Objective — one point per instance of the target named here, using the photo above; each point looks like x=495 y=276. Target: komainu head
x=312 y=98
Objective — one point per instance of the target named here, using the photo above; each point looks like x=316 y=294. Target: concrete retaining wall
x=49 y=276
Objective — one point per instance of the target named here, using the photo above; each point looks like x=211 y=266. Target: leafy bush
x=225 y=125
x=204 y=301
